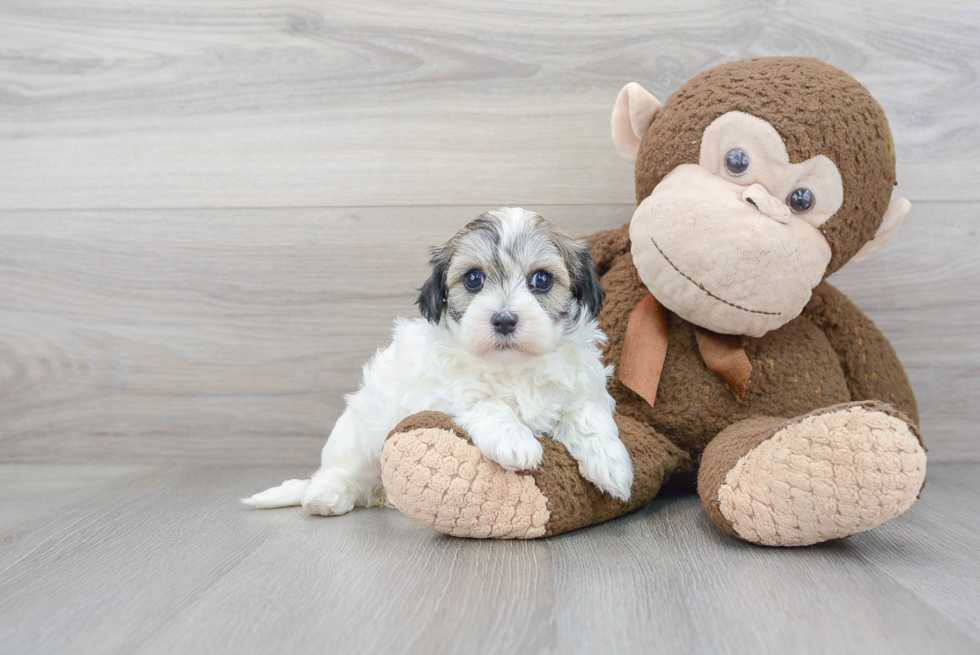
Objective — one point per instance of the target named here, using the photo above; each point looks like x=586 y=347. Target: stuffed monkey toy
x=740 y=372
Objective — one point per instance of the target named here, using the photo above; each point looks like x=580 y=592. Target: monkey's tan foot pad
x=827 y=476
x=444 y=482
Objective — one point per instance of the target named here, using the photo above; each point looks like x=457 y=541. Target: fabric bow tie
x=645 y=348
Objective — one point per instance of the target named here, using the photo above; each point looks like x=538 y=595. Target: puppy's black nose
x=504 y=322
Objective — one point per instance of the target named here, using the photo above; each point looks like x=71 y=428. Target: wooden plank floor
x=103 y=558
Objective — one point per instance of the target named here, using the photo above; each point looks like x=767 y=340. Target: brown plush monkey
x=739 y=370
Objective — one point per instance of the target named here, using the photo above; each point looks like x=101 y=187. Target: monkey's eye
x=737 y=162
x=540 y=281
x=473 y=281
x=801 y=200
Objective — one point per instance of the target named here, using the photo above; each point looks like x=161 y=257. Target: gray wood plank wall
x=210 y=212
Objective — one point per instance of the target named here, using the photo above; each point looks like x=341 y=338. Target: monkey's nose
x=504 y=322
x=757 y=196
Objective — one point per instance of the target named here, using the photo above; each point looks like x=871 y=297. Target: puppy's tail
x=288 y=494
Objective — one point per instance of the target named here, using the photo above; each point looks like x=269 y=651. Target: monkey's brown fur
x=828 y=357
x=795 y=369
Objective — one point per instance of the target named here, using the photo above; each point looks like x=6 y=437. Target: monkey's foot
x=434 y=474
x=827 y=475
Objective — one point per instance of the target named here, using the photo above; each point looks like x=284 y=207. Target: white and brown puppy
x=508 y=345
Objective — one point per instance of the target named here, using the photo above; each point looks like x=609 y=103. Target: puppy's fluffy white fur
x=508 y=390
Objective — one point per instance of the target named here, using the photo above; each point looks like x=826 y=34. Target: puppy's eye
x=801 y=200
x=473 y=281
x=540 y=281
x=737 y=162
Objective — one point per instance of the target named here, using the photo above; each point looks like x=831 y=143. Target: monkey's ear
x=894 y=215
x=631 y=117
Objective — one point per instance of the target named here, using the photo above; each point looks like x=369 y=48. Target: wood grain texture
x=233 y=103
x=232 y=335
x=163 y=560
x=923 y=291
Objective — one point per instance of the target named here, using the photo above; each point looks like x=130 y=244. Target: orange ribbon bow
x=645 y=348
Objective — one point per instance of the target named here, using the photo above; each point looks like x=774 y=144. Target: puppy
x=508 y=346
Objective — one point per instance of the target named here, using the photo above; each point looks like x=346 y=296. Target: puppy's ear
x=432 y=295
x=586 y=287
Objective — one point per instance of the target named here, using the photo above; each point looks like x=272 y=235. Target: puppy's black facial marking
x=486 y=225
x=476 y=243
x=432 y=295
x=586 y=287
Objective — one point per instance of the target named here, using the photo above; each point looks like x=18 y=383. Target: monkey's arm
x=869 y=362
x=607 y=245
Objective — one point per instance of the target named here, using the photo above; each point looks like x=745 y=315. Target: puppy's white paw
x=327 y=495
x=513 y=446
x=607 y=465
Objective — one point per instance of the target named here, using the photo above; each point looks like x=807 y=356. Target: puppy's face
x=510 y=285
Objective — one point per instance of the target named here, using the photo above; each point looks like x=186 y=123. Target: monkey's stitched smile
x=700 y=286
